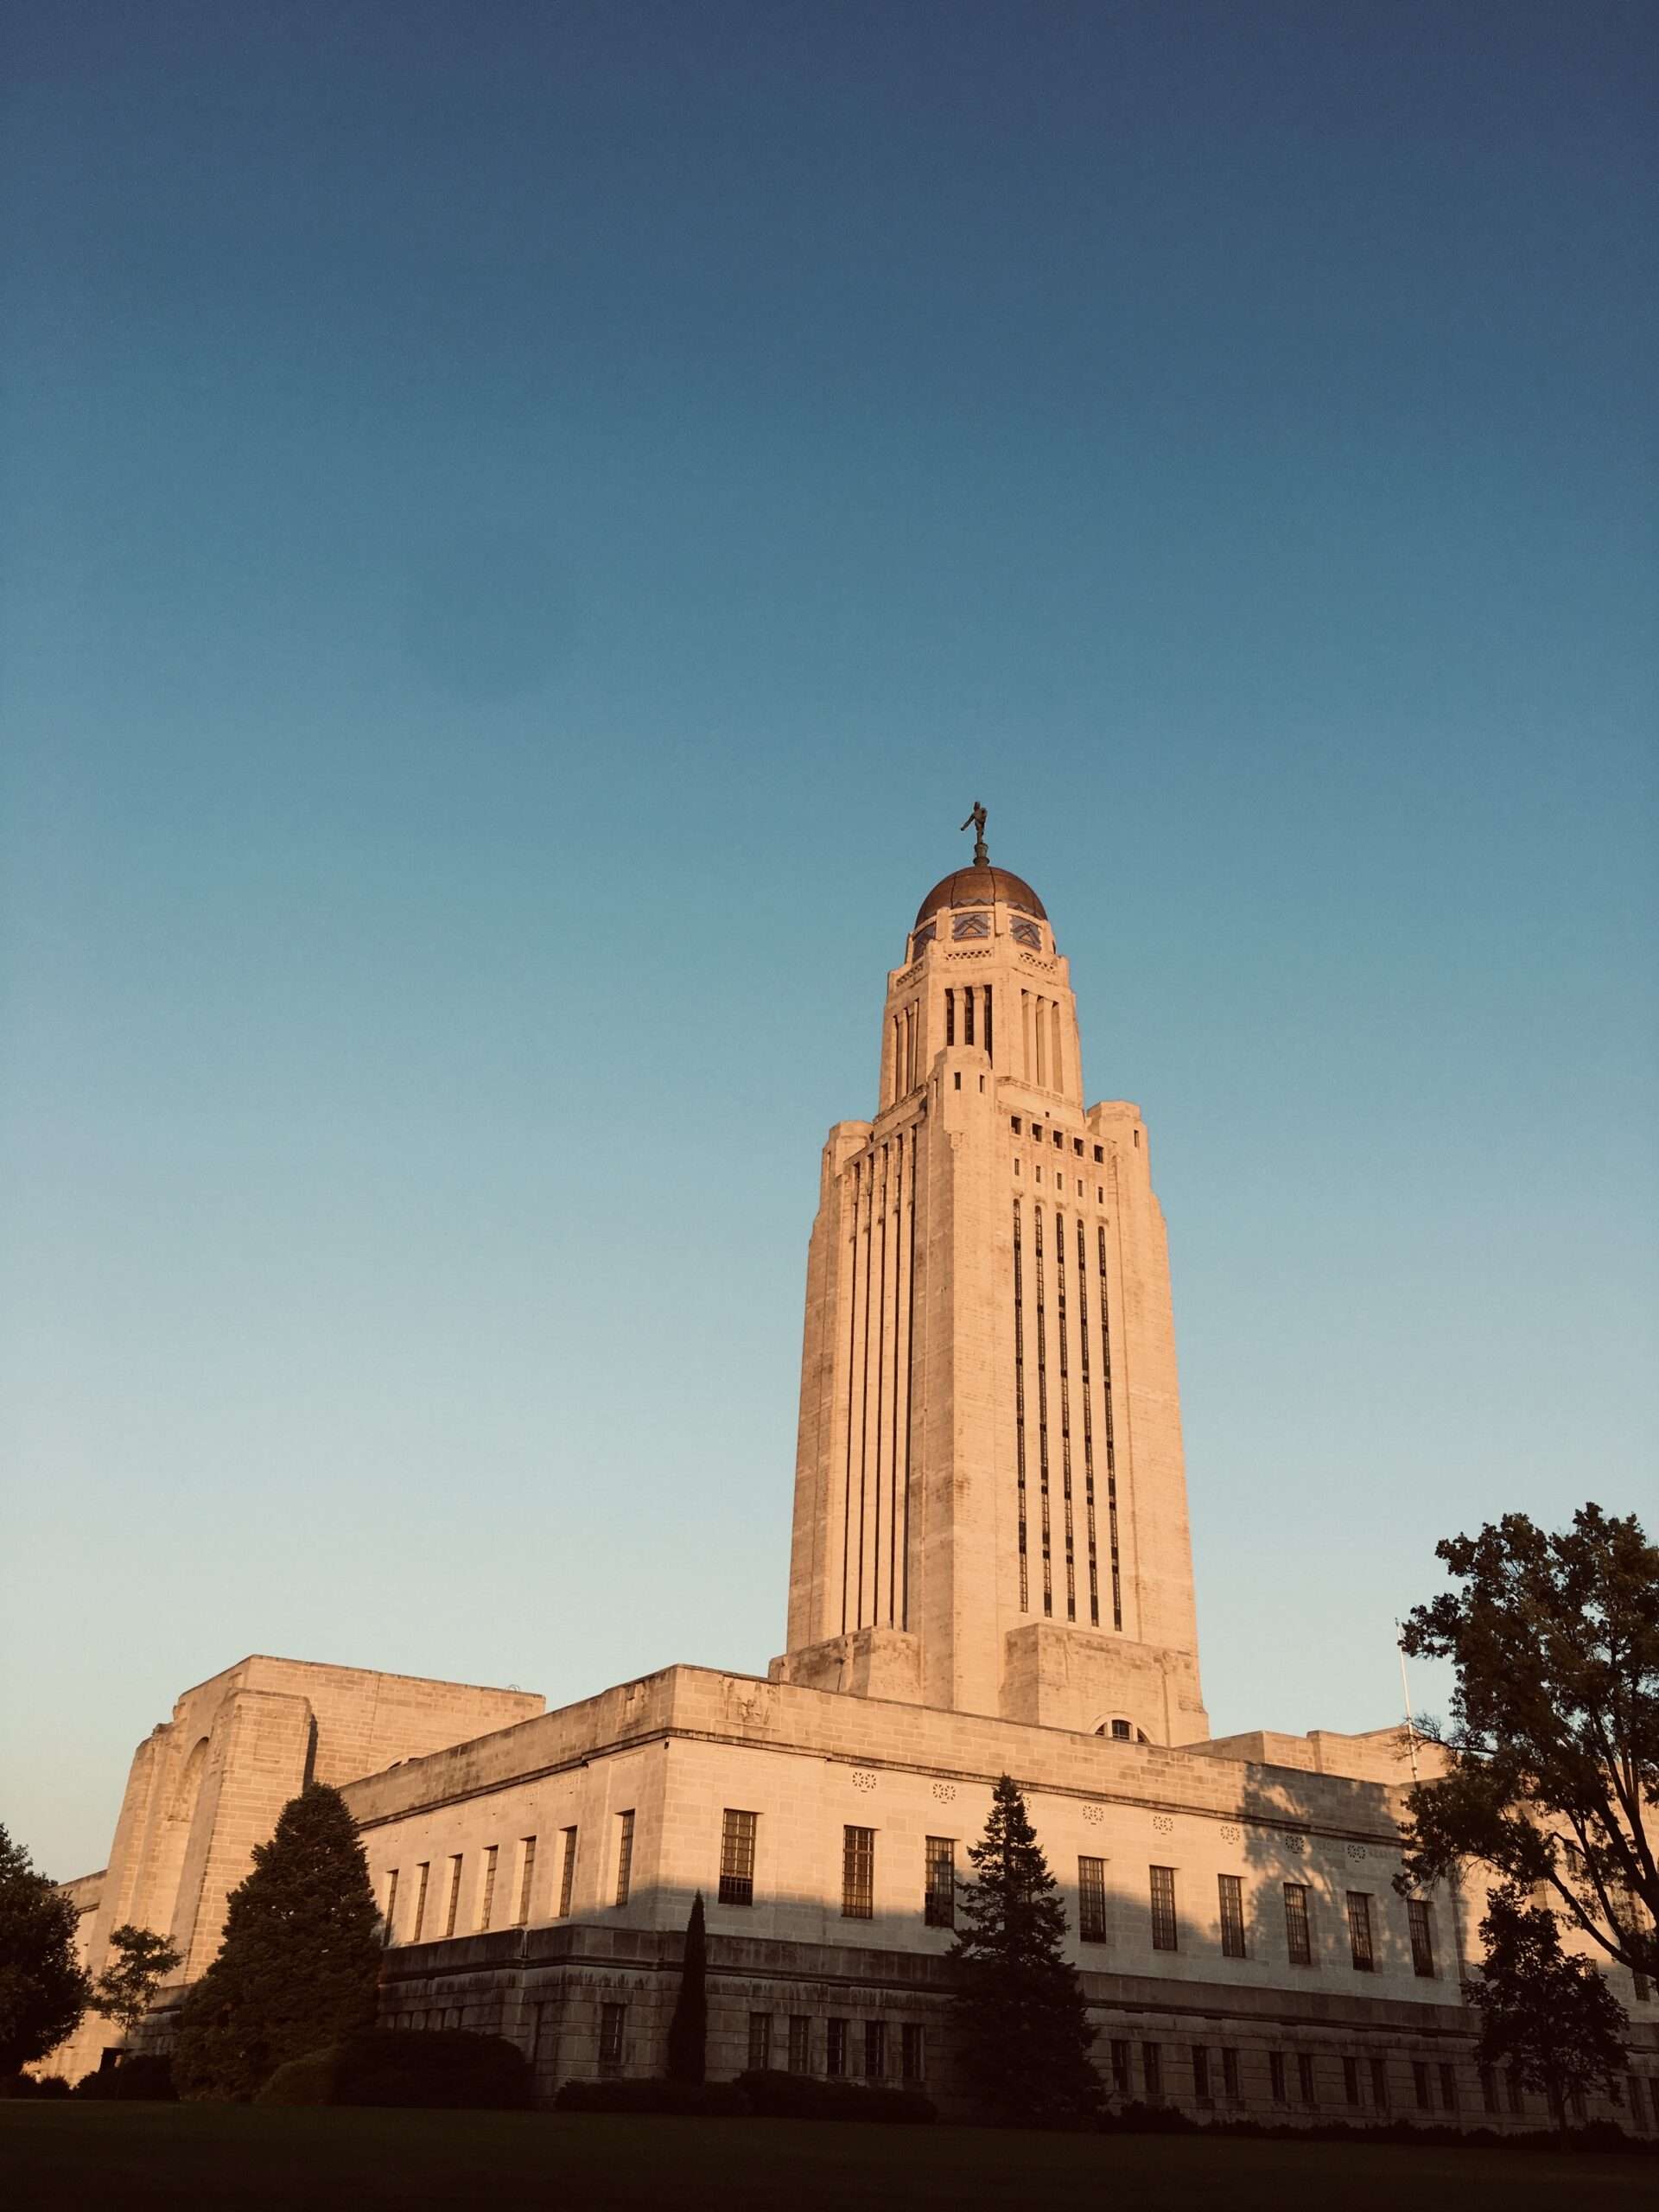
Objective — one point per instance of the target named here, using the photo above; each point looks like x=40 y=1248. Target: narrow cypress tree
x=688 y=2031
x=1021 y=2023
x=300 y=1958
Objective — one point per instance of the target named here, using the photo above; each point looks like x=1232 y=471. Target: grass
x=57 y=2158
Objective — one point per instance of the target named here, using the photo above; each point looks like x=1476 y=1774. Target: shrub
x=684 y=2100
x=774 y=2095
x=448 y=2067
x=145 y=2078
x=21 y=2086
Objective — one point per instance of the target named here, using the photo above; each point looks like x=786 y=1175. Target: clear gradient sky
x=524 y=527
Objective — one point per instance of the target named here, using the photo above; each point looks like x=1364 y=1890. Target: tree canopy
x=140 y=1961
x=1021 y=2019
x=301 y=1959
x=1553 y=1781
x=1546 y=2016
x=43 y=1989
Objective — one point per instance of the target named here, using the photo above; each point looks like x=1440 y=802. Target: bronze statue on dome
x=977 y=822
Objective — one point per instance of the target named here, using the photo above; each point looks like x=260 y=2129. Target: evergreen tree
x=1021 y=2023
x=142 y=1961
x=688 y=2031
x=300 y=1958
x=43 y=1991
x=1546 y=2015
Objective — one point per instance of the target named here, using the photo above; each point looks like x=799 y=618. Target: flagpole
x=1405 y=1689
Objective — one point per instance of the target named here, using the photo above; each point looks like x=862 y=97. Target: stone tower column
x=990 y=1502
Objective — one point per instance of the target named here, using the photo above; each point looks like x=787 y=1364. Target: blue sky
x=524 y=528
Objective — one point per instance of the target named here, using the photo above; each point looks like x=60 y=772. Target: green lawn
x=68 y=2158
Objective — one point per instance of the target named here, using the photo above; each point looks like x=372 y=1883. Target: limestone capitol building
x=990 y=1571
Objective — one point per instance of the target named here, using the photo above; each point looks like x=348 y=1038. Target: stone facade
x=990 y=1573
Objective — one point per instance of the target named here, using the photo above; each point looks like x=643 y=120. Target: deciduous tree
x=1546 y=2016
x=300 y=1958
x=1553 y=1781
x=1021 y=2020
x=43 y=1990
x=142 y=1961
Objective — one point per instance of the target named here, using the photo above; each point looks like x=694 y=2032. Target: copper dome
x=980 y=886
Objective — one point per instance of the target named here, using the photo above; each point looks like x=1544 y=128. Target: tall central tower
x=990 y=1503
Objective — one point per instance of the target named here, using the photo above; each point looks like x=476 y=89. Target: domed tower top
x=981 y=885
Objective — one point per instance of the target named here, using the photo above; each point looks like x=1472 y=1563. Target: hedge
x=440 y=2067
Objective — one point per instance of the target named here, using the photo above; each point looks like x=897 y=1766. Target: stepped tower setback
x=990 y=1500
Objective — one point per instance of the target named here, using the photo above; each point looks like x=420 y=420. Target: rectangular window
x=939 y=1898
x=526 y=1875
x=1092 y=1900
x=568 y=1873
x=454 y=1906
x=858 y=1874
x=1351 y=2081
x=736 y=1858
x=1276 y=2077
x=1359 y=1931
x=1232 y=1916
x=1229 y=2075
x=1639 y=1984
x=391 y=1905
x=1298 y=1931
x=1489 y=2088
x=875 y=2050
x=835 y=2048
x=1380 y=2083
x=1305 y=2077
x=1448 y=2088
x=611 y=2019
x=1422 y=1937
x=1120 y=2065
x=624 y=1856
x=1163 y=1907
x=423 y=1871
x=800 y=2044
x=1638 y=2103
x=1420 y=2084
x=1152 y=2069
x=1514 y=2094
x=760 y=2042
x=912 y=2040
x=486 y=1904
x=1200 y=2072
x=1100 y=1155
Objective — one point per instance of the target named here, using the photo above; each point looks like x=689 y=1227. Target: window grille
x=939 y=1901
x=1422 y=1936
x=1229 y=2075
x=1092 y=1900
x=527 y=1875
x=760 y=2042
x=1122 y=1732
x=454 y=1906
x=611 y=2019
x=1121 y=2081
x=1305 y=2077
x=392 y=1904
x=624 y=1856
x=835 y=2048
x=1380 y=2083
x=949 y=1017
x=858 y=1873
x=913 y=2051
x=736 y=1858
x=1232 y=1916
x=568 y=1873
x=488 y=1905
x=1489 y=2088
x=1448 y=2088
x=800 y=2044
x=1515 y=2096
x=1200 y=2073
x=1299 y=1933
x=1419 y=2084
x=423 y=1870
x=1351 y=2081
x=1359 y=1931
x=1276 y=2077
x=1152 y=2069
x=875 y=2050
x=1163 y=1907
x=1638 y=2103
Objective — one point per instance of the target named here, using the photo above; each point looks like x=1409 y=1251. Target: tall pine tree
x=688 y=2031
x=1022 y=2028
x=300 y=1958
